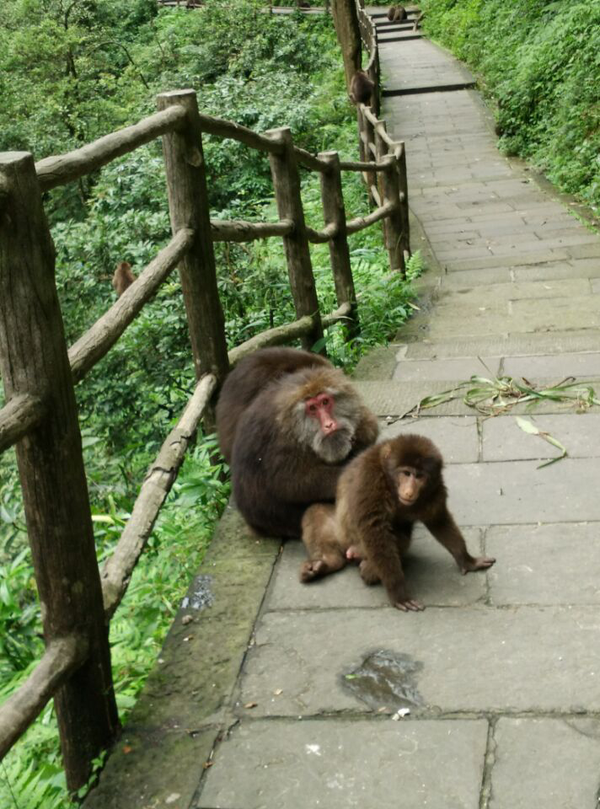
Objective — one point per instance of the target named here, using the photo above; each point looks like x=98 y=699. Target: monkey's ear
x=386 y=451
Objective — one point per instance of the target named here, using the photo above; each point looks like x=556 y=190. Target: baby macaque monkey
x=380 y=495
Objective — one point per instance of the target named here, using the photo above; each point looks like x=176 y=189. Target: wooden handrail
x=157 y=484
x=362 y=222
x=224 y=230
x=61 y=169
x=20 y=415
x=61 y=657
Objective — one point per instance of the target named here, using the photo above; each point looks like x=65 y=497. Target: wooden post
x=34 y=361
x=369 y=134
x=400 y=154
x=188 y=205
x=393 y=230
x=334 y=213
x=286 y=182
x=381 y=150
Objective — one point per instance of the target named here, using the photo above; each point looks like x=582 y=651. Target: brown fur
x=123 y=278
x=391 y=12
x=281 y=461
x=400 y=14
x=361 y=88
x=249 y=378
x=371 y=523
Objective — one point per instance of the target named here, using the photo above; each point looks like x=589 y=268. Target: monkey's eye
x=312 y=408
x=325 y=401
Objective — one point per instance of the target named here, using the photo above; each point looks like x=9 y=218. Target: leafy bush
x=539 y=60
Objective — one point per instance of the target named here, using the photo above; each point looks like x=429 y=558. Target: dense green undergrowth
x=69 y=73
x=540 y=61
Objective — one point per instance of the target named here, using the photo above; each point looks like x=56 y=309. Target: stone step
x=480 y=659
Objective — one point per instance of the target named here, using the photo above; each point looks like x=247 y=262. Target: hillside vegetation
x=540 y=61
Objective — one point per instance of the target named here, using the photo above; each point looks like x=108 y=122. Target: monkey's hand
x=408 y=605
x=476 y=563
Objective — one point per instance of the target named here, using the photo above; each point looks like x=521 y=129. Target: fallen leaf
x=251 y=705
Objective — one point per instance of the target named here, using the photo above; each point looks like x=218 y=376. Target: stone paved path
x=501 y=672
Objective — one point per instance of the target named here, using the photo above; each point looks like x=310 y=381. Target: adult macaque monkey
x=400 y=14
x=250 y=376
x=299 y=425
x=381 y=494
x=361 y=88
x=123 y=278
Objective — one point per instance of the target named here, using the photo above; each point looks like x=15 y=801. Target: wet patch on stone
x=385 y=679
x=200 y=595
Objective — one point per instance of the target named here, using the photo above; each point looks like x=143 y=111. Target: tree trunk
x=348 y=34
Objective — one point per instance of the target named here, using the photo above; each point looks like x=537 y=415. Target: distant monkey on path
x=361 y=88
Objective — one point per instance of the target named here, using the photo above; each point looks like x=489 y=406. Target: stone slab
x=559 y=365
x=475 y=659
x=443 y=370
x=540 y=256
x=544 y=564
x=430 y=570
x=341 y=764
x=518 y=492
x=550 y=763
x=397 y=399
x=465 y=295
x=574 y=268
x=504 y=440
x=457 y=438
x=515 y=345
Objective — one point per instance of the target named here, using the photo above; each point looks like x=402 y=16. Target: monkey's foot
x=476 y=563
x=317 y=568
x=409 y=605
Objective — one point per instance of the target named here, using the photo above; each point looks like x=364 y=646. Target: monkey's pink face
x=330 y=435
x=321 y=408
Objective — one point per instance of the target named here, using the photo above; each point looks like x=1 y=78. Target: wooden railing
x=376 y=144
x=39 y=373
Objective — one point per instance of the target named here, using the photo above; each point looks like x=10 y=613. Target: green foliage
x=540 y=60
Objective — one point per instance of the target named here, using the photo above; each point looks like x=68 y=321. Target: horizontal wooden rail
x=360 y=166
x=18 y=417
x=227 y=129
x=225 y=230
x=105 y=332
x=61 y=169
x=159 y=479
x=309 y=161
x=60 y=659
x=362 y=222
x=343 y=312
x=272 y=337
x=321 y=236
